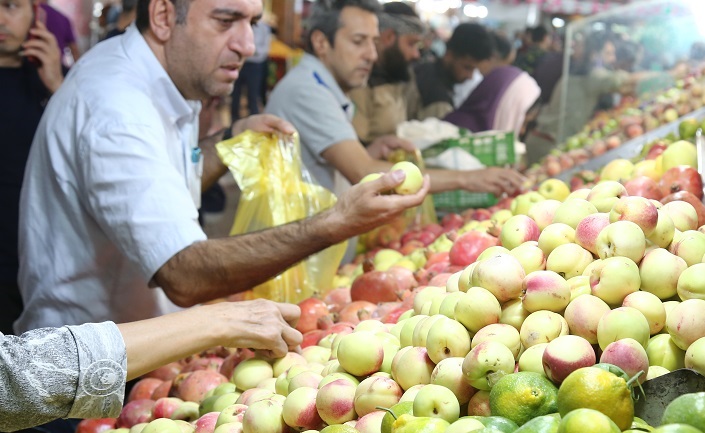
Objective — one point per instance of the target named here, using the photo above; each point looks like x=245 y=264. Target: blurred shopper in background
x=502 y=98
x=539 y=45
x=313 y=96
x=381 y=105
x=125 y=18
x=62 y=29
x=25 y=88
x=253 y=75
x=469 y=45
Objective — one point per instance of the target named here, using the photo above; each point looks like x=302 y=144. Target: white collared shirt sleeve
x=136 y=195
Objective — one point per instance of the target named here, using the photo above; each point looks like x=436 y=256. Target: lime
x=686 y=409
x=676 y=428
x=501 y=423
x=522 y=396
x=540 y=424
x=399 y=409
x=587 y=421
x=599 y=389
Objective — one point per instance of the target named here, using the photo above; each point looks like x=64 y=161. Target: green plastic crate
x=491 y=148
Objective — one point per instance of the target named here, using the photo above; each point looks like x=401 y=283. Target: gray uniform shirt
x=310 y=98
x=68 y=372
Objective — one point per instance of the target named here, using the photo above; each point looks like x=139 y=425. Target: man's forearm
x=213 y=168
x=219 y=267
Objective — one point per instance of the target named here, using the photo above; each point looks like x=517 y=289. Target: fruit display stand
x=630 y=149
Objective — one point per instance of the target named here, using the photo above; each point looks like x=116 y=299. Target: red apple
x=688 y=197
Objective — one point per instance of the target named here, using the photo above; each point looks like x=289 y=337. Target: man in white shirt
x=108 y=224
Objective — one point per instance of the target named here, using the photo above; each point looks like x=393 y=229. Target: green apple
x=437 y=401
x=264 y=415
x=486 y=363
x=250 y=372
x=622 y=322
x=523 y=202
x=683 y=214
x=663 y=352
x=660 y=272
x=695 y=356
x=477 y=308
x=547 y=290
x=543 y=211
x=501 y=333
x=679 y=153
x=568 y=261
x=650 y=306
x=449 y=373
x=686 y=322
x=447 y=338
x=662 y=236
x=413 y=181
x=690 y=247
x=573 y=210
x=617 y=170
x=360 y=362
x=514 y=313
x=449 y=303
x=412 y=367
x=376 y=392
x=530 y=256
x=554 y=189
x=399 y=409
x=691 y=282
x=502 y=275
x=583 y=315
x=555 y=234
x=162 y=425
x=492 y=251
x=566 y=354
x=532 y=359
x=629 y=355
x=638 y=210
x=464 y=425
x=517 y=230
x=580 y=285
x=406 y=335
x=621 y=239
x=421 y=329
x=605 y=194
x=542 y=327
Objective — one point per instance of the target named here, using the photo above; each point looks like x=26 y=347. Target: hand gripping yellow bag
x=276 y=188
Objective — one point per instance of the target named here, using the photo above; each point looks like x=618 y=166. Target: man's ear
x=319 y=42
x=162 y=18
x=387 y=37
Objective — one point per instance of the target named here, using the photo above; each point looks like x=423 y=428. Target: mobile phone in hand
x=36 y=9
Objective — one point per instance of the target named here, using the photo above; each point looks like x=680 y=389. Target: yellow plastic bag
x=276 y=188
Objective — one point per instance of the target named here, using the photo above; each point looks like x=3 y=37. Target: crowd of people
x=107 y=165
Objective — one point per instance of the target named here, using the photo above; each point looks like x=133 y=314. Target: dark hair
x=398 y=8
x=538 y=34
x=142 y=16
x=129 y=5
x=471 y=40
x=325 y=17
x=502 y=47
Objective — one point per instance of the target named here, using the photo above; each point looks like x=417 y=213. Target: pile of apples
x=553 y=281
x=632 y=118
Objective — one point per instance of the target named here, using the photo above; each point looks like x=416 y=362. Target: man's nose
x=242 y=40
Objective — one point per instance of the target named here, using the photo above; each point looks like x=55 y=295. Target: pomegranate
x=682 y=178
x=404 y=276
x=644 y=186
x=355 y=311
x=144 y=388
x=452 y=221
x=393 y=316
x=195 y=386
x=211 y=363
x=374 y=286
x=468 y=246
x=385 y=308
x=95 y=425
x=135 y=412
x=165 y=372
x=311 y=338
x=311 y=310
x=337 y=298
x=161 y=391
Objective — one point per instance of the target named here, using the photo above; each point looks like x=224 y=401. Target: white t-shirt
x=110 y=192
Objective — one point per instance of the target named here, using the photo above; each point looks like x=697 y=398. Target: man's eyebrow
x=232 y=12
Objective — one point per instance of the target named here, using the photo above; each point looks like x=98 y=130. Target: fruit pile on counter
x=545 y=313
